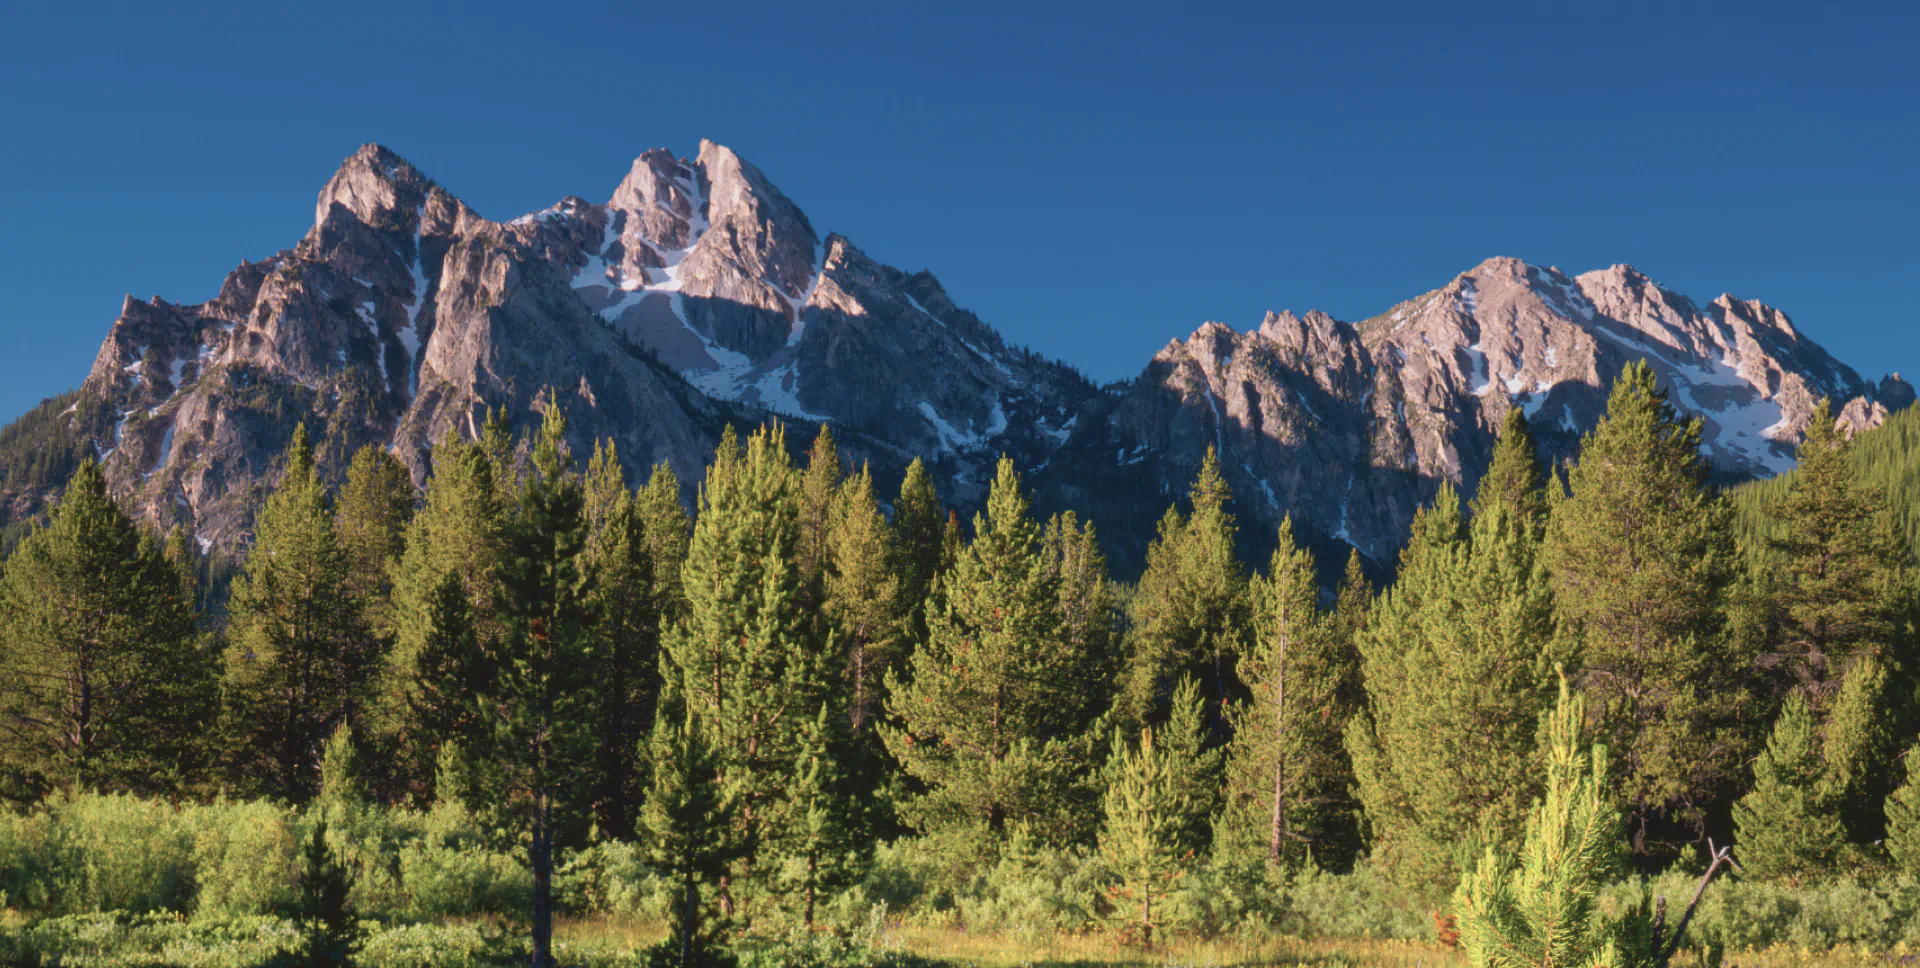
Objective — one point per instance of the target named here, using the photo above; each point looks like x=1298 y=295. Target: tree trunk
x=541 y=857
x=813 y=877
x=1279 y=831
x=859 y=690
x=689 y=918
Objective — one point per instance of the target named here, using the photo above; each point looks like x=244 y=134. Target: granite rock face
x=698 y=294
x=1351 y=427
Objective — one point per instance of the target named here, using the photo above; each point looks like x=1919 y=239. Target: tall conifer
x=828 y=842
x=536 y=697
x=625 y=642
x=863 y=604
x=988 y=722
x=457 y=535
x=1287 y=774
x=1189 y=614
x=819 y=486
x=1838 y=591
x=919 y=527
x=690 y=836
x=298 y=659
x=1843 y=585
x=374 y=508
x=664 y=521
x=1197 y=767
x=1642 y=557
x=103 y=683
x=1788 y=824
x=747 y=658
x=1514 y=476
x=1458 y=664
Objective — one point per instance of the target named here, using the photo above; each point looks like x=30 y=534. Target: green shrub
x=98 y=853
x=159 y=939
x=1229 y=895
x=1747 y=915
x=1364 y=904
x=243 y=858
x=441 y=946
x=446 y=869
x=1037 y=891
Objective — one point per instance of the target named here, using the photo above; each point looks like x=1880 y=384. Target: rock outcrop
x=699 y=294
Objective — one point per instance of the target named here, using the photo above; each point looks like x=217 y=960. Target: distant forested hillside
x=1886 y=457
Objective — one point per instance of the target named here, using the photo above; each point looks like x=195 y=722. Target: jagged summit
x=697 y=293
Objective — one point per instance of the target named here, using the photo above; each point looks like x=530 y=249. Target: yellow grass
x=991 y=949
x=995 y=950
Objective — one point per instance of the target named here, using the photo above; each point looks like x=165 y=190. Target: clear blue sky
x=1092 y=179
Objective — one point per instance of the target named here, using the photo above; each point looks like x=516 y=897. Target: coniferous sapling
x=1789 y=823
x=1903 y=818
x=690 y=836
x=330 y=935
x=1540 y=908
x=1144 y=835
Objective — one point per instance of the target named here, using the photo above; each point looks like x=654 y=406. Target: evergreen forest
x=1607 y=713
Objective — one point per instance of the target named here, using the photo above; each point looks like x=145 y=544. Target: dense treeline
x=757 y=695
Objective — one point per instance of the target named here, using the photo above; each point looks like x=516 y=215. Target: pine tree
x=103 y=681
x=1089 y=662
x=988 y=722
x=1197 y=769
x=863 y=605
x=1458 y=663
x=747 y=658
x=1287 y=774
x=1903 y=817
x=340 y=784
x=829 y=839
x=690 y=836
x=1143 y=837
x=537 y=698
x=818 y=487
x=495 y=444
x=1843 y=584
x=1353 y=603
x=181 y=554
x=1642 y=558
x=1514 y=476
x=1838 y=590
x=664 y=521
x=330 y=936
x=605 y=484
x=375 y=506
x=457 y=536
x=1788 y=823
x=298 y=660
x=952 y=542
x=1542 y=907
x=1859 y=743
x=1189 y=614
x=919 y=527
x=626 y=642
x=448 y=671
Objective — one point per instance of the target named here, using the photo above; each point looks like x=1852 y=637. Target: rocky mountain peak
x=659 y=202
x=373 y=185
x=699 y=294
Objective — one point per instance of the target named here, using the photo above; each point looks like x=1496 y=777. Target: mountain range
x=699 y=295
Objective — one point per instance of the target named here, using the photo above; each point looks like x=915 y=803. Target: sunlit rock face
x=699 y=295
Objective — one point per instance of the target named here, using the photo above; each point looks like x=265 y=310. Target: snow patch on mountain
x=952 y=439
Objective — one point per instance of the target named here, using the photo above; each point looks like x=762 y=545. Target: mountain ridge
x=698 y=294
